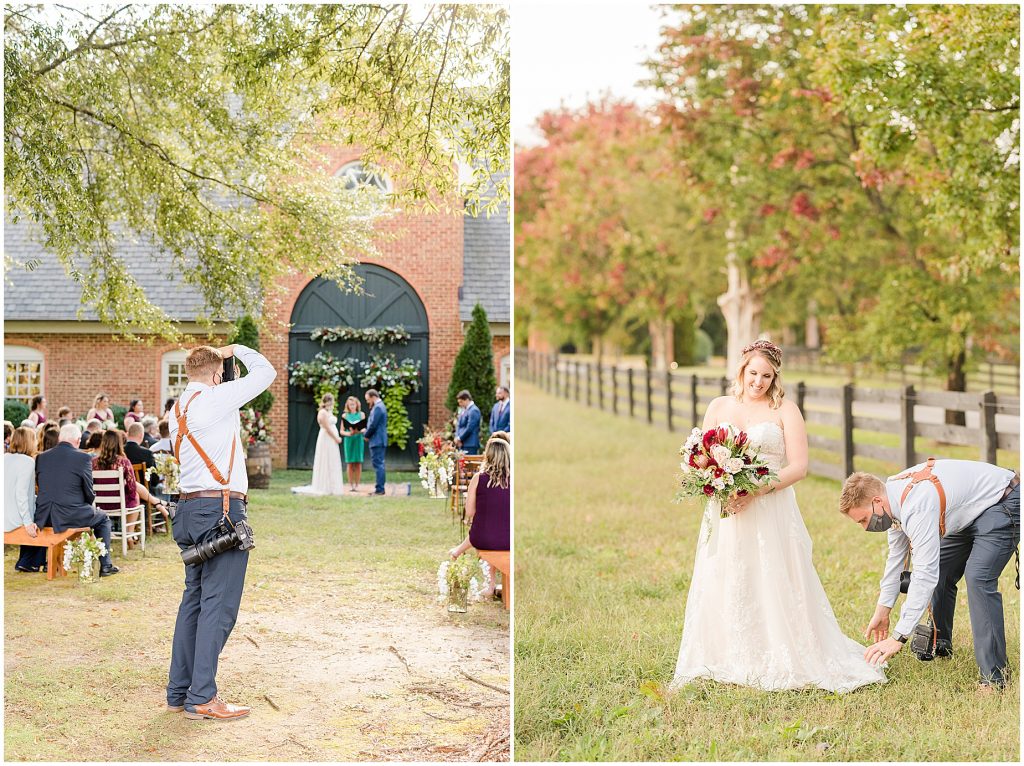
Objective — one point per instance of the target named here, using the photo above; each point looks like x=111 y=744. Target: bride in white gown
x=328 y=478
x=756 y=613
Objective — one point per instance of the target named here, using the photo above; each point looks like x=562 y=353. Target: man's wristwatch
x=900 y=637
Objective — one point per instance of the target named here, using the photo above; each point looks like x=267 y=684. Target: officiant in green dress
x=353 y=444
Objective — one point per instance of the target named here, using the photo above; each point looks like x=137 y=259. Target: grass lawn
x=603 y=563
x=340 y=646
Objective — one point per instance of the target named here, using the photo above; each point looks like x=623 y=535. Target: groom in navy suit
x=467 y=429
x=501 y=412
x=376 y=436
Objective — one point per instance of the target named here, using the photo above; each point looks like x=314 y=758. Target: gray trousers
x=979 y=553
x=209 y=605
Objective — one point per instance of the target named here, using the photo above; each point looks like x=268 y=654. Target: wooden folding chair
x=466 y=468
x=154 y=520
x=110 y=500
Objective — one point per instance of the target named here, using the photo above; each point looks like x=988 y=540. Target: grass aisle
x=603 y=561
x=339 y=626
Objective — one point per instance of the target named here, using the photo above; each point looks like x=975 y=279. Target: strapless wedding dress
x=756 y=613
x=328 y=477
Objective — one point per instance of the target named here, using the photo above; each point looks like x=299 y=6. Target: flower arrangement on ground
x=255 y=428
x=83 y=554
x=437 y=463
x=462 y=581
x=719 y=463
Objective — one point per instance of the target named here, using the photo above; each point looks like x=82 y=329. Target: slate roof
x=48 y=294
x=487 y=266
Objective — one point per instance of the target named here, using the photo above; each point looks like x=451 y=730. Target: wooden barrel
x=257 y=465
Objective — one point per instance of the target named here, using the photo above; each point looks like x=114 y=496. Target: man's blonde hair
x=202 y=360
x=858 y=489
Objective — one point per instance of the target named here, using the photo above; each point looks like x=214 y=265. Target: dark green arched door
x=387 y=300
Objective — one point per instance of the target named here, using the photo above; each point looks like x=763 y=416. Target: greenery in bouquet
x=719 y=463
x=83 y=554
x=375 y=336
x=168 y=470
x=466 y=573
x=255 y=429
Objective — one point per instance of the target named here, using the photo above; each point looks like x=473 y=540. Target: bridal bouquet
x=718 y=463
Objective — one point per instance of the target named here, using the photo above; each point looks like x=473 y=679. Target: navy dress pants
x=979 y=553
x=377 y=458
x=209 y=605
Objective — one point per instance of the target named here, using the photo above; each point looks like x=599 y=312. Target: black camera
x=923 y=641
x=904 y=581
x=229 y=370
x=237 y=536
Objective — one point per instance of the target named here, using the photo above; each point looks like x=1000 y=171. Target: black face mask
x=878 y=522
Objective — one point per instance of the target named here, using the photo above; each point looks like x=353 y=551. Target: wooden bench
x=501 y=560
x=46 y=538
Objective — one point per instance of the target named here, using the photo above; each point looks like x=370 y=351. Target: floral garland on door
x=375 y=336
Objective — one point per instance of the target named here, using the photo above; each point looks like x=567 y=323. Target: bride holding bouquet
x=756 y=613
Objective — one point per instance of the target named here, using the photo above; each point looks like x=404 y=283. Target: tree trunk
x=662 y=343
x=956 y=380
x=812 y=331
x=740 y=306
x=597 y=348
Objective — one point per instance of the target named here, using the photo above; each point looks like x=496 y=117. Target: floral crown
x=766 y=347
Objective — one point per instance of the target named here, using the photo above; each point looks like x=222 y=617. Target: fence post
x=907 y=426
x=650 y=404
x=847 y=425
x=558 y=381
x=600 y=386
x=989 y=439
x=576 y=378
x=723 y=386
x=590 y=369
x=668 y=399
x=693 y=399
x=801 y=394
x=615 y=389
x=629 y=380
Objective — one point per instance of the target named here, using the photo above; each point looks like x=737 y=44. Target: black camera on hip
x=923 y=641
x=239 y=535
x=904 y=581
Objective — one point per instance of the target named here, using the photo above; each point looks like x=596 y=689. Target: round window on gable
x=358 y=176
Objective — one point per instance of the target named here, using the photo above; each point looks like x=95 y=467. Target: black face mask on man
x=878 y=522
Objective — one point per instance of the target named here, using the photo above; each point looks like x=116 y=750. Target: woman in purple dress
x=38 y=413
x=488 y=504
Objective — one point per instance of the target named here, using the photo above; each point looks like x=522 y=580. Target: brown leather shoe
x=175 y=708
x=217 y=710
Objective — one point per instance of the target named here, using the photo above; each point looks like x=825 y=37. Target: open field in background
x=339 y=626
x=604 y=560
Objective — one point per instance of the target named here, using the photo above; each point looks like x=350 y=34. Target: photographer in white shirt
x=212 y=461
x=974 y=538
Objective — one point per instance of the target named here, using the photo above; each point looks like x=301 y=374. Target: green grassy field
x=603 y=562
x=340 y=646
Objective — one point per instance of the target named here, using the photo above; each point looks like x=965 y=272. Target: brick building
x=428 y=276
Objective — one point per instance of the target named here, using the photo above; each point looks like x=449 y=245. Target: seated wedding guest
x=168 y=405
x=164 y=444
x=27 y=423
x=152 y=433
x=138 y=453
x=501 y=412
x=488 y=504
x=64 y=478
x=8 y=431
x=20 y=496
x=505 y=436
x=49 y=437
x=38 y=413
x=92 y=427
x=65 y=412
x=135 y=412
x=92 y=444
x=101 y=409
x=112 y=457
